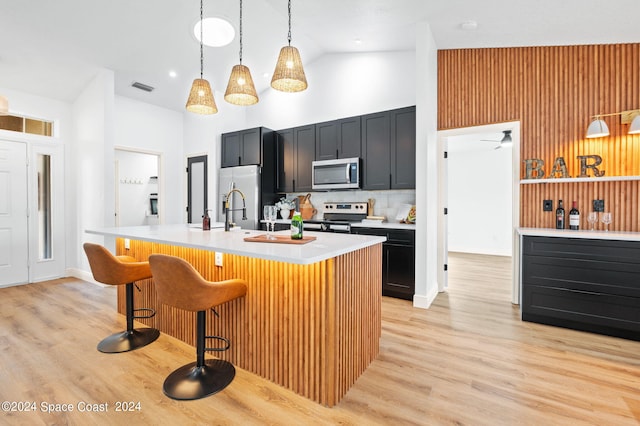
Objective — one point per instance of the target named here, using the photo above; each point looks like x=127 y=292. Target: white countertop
x=326 y=245
x=567 y=233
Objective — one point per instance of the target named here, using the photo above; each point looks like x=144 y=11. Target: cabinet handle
x=239 y=160
x=293 y=185
x=390 y=179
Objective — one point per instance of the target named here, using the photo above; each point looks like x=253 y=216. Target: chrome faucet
x=227 y=217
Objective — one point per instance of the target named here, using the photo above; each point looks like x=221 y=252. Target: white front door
x=14 y=237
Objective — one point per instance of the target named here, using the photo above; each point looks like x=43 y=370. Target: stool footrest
x=150 y=315
x=222 y=349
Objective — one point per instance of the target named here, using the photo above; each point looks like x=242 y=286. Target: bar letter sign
x=534 y=167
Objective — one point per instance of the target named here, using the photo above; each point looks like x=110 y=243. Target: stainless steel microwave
x=343 y=173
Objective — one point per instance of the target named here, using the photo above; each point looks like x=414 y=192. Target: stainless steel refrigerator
x=248 y=180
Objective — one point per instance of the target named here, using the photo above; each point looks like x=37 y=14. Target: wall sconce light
x=598 y=127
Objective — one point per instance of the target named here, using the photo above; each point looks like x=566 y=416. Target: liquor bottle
x=560 y=216
x=296 y=226
x=206 y=221
x=574 y=217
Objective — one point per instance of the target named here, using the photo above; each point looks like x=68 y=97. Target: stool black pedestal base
x=128 y=340
x=192 y=382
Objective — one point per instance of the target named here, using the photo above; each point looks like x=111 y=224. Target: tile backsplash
x=386 y=204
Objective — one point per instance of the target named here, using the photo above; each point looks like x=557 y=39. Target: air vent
x=141 y=86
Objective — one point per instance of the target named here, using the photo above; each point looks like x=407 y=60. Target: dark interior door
x=197 y=188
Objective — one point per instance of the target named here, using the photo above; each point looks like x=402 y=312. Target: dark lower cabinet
x=398 y=260
x=584 y=284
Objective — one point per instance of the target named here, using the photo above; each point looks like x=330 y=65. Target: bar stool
x=119 y=270
x=179 y=285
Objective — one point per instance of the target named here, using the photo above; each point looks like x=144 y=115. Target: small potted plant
x=285 y=206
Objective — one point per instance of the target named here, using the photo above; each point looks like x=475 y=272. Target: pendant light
x=4 y=105
x=201 y=98
x=240 y=89
x=289 y=74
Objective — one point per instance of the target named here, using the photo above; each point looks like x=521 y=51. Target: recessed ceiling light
x=216 y=32
x=469 y=25
x=357 y=41
x=173 y=74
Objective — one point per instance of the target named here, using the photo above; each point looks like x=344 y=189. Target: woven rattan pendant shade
x=241 y=90
x=201 y=98
x=289 y=74
x=4 y=105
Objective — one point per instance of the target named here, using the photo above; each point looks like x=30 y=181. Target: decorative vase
x=284 y=213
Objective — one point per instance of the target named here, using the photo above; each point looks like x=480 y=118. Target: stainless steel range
x=338 y=217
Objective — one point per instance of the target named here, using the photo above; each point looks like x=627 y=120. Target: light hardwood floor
x=467 y=360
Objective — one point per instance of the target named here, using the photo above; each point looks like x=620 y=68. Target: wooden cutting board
x=279 y=239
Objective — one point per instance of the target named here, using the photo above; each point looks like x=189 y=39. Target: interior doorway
x=476 y=178
x=138 y=187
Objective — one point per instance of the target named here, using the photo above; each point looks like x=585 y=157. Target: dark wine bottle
x=560 y=215
x=574 y=217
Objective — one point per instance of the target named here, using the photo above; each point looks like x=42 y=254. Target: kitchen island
x=311 y=319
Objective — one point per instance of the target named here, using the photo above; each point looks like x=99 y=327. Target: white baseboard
x=82 y=275
x=424 y=302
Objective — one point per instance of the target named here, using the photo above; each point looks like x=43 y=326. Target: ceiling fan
x=505 y=141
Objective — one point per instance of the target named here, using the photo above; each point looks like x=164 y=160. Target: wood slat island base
x=310 y=328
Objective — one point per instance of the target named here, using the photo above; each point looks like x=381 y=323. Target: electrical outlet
x=218 y=259
x=547 y=205
x=598 y=205
x=127 y=244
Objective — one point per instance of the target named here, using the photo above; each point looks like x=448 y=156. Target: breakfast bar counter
x=311 y=319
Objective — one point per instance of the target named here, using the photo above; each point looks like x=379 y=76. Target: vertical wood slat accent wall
x=553 y=92
x=313 y=329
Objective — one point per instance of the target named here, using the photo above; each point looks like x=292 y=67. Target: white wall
x=135 y=185
x=479 y=197
x=426 y=87
x=152 y=129
x=90 y=167
x=341 y=85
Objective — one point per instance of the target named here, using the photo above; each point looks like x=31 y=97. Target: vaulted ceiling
x=53 y=48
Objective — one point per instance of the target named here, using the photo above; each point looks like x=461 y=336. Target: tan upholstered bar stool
x=122 y=270
x=178 y=284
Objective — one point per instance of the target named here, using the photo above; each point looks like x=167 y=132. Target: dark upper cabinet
x=296 y=151
x=376 y=170
x=242 y=148
x=388 y=149
x=338 y=139
x=403 y=148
